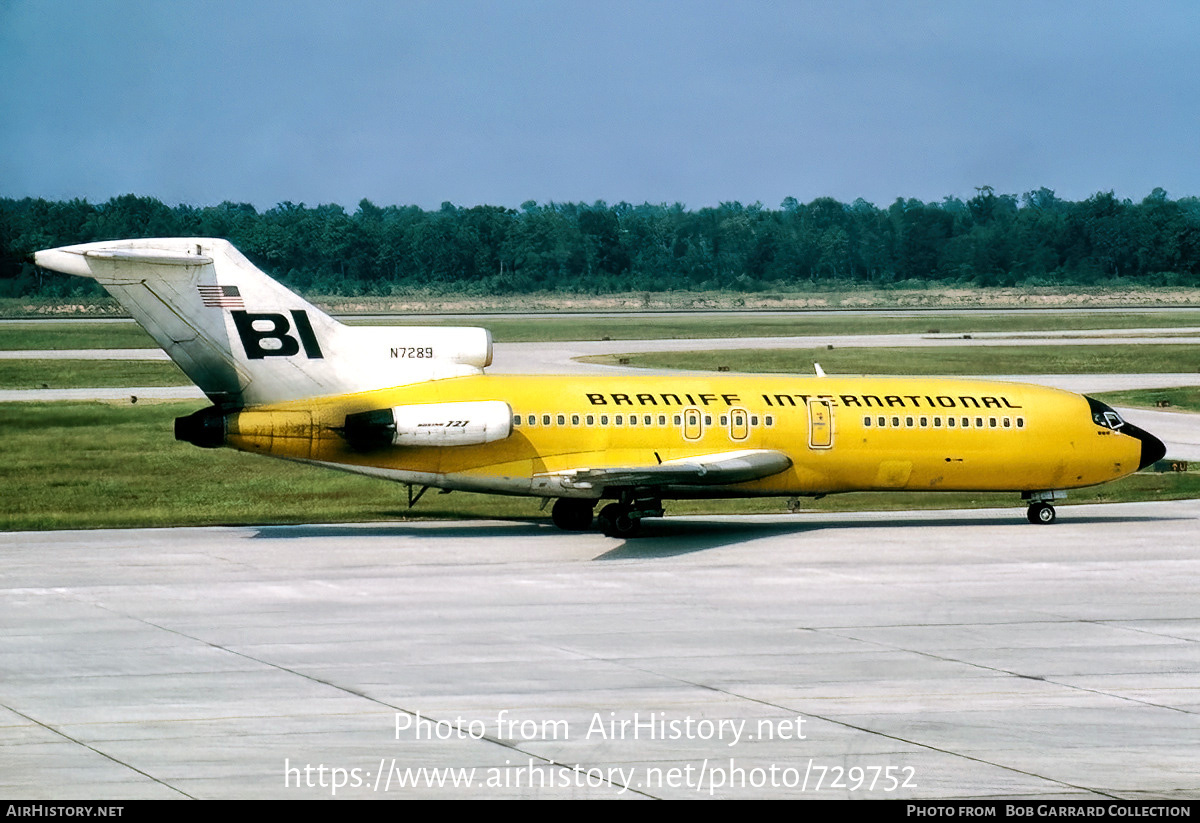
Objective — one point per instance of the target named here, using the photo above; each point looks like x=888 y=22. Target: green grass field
x=1162 y=358
x=942 y=360
x=98 y=465
x=1185 y=399
x=73 y=334
x=659 y=327
x=83 y=334
x=91 y=374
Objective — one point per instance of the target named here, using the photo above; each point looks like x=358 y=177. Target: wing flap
x=720 y=469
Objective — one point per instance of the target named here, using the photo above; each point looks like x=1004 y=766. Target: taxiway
x=902 y=655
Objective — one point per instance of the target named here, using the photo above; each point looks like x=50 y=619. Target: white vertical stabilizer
x=246 y=340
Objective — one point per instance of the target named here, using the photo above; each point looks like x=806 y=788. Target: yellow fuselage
x=841 y=433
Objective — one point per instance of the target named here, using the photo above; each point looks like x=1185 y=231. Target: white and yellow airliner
x=415 y=405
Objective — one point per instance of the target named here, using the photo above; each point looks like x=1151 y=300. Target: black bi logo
x=271 y=337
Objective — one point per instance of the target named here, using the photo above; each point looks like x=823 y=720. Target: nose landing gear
x=1040 y=511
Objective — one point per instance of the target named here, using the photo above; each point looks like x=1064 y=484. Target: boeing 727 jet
x=416 y=405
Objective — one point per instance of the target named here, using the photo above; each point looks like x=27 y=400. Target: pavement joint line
x=100 y=752
x=1042 y=678
x=499 y=741
x=875 y=732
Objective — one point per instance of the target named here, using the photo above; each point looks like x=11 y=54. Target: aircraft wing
x=720 y=469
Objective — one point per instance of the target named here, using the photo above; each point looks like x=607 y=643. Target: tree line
x=991 y=239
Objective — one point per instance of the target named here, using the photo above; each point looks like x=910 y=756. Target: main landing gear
x=571 y=514
x=621 y=519
x=624 y=519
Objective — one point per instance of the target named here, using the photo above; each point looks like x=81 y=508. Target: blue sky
x=502 y=102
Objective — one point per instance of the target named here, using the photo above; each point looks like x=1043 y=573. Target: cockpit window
x=1105 y=415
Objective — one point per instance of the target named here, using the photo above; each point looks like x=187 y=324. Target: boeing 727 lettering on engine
x=415 y=405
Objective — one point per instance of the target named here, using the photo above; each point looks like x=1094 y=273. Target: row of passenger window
x=868 y=421
x=938 y=422
x=643 y=420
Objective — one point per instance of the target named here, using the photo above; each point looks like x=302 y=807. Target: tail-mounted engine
x=430 y=424
x=205 y=428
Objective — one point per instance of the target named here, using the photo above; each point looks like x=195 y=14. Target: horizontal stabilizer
x=160 y=258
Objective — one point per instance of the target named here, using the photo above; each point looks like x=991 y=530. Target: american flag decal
x=221 y=297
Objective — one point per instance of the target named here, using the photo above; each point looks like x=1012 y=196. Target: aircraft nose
x=1153 y=449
